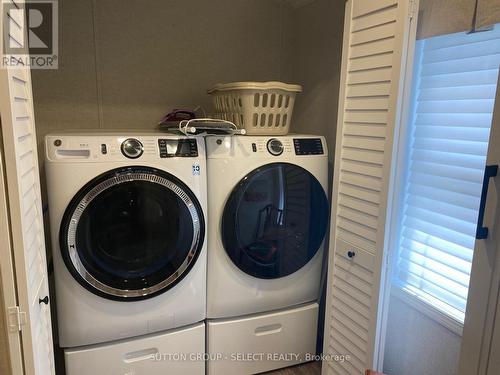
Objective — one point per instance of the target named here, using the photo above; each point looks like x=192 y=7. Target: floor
x=313 y=368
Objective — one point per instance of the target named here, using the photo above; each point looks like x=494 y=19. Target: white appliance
x=127 y=214
x=268 y=211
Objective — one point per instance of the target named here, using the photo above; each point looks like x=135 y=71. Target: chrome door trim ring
x=116 y=179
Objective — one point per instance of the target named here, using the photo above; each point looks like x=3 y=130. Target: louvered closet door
x=24 y=200
x=376 y=36
x=480 y=349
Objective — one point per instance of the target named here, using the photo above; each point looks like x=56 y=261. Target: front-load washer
x=127 y=216
x=268 y=211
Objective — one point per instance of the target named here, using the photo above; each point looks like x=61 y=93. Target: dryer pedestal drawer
x=262 y=342
x=174 y=352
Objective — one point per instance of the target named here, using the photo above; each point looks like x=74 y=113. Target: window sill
x=425 y=308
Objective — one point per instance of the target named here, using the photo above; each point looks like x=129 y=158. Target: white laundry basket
x=261 y=108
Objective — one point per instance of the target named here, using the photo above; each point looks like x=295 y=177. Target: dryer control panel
x=308 y=146
x=279 y=147
x=271 y=146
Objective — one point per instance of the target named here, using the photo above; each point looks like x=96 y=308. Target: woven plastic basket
x=261 y=108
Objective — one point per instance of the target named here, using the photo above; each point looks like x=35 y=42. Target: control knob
x=275 y=147
x=132 y=148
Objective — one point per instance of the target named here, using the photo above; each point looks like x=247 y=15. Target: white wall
x=317 y=48
x=124 y=64
x=418 y=345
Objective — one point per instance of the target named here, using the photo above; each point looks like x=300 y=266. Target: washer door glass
x=275 y=220
x=132 y=233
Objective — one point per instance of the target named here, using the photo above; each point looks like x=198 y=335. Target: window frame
x=400 y=177
x=407 y=113
x=427 y=309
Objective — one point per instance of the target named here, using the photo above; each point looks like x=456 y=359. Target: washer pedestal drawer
x=262 y=342
x=178 y=351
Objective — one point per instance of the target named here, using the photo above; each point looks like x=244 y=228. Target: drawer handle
x=268 y=330
x=140 y=355
x=351 y=254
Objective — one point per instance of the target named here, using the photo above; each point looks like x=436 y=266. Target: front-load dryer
x=127 y=216
x=268 y=211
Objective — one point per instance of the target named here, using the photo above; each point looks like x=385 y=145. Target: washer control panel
x=170 y=148
x=107 y=146
x=275 y=146
x=131 y=148
x=308 y=146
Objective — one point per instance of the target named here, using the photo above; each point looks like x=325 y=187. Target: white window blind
x=453 y=96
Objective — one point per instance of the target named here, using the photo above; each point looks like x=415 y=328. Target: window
x=455 y=80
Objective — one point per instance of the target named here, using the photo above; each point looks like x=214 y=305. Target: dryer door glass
x=132 y=233
x=275 y=220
